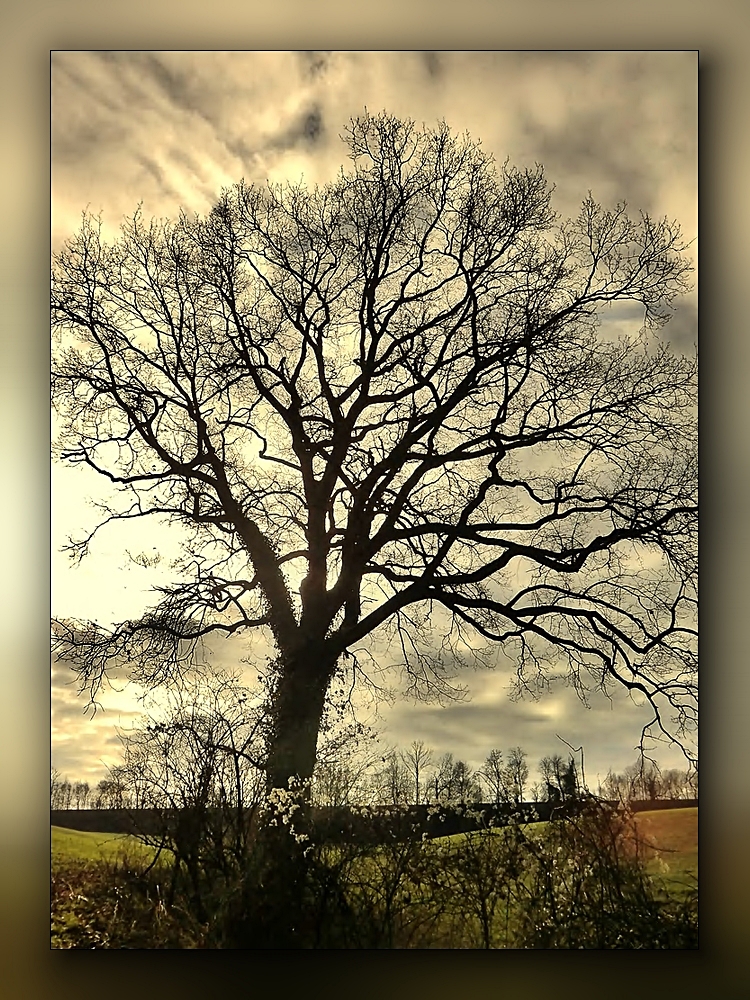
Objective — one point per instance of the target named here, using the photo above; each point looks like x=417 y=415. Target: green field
x=669 y=836
x=82 y=845
x=671 y=839
x=100 y=896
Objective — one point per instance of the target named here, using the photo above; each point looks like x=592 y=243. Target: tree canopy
x=390 y=405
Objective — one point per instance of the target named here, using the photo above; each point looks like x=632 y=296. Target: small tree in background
x=516 y=773
x=81 y=792
x=61 y=790
x=643 y=779
x=442 y=779
x=391 y=781
x=345 y=766
x=493 y=775
x=560 y=778
x=417 y=758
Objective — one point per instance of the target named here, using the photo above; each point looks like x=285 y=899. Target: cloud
x=178 y=87
x=84 y=745
x=306 y=129
x=604 y=120
x=314 y=63
x=156 y=171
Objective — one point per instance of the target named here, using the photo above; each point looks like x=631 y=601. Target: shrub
x=579 y=881
x=114 y=905
x=586 y=886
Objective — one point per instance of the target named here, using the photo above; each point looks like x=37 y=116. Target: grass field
x=673 y=829
x=671 y=838
x=79 y=845
x=98 y=897
x=669 y=834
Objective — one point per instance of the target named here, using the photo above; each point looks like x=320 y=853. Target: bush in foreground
x=111 y=904
x=587 y=885
x=580 y=881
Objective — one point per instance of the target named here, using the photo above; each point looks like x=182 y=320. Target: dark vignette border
x=30 y=31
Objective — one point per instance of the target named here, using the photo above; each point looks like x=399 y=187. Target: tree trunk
x=275 y=910
x=297 y=713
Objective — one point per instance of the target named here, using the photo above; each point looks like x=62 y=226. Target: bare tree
x=517 y=773
x=442 y=779
x=111 y=792
x=466 y=787
x=561 y=779
x=417 y=759
x=81 y=792
x=492 y=773
x=54 y=784
x=550 y=768
x=201 y=750
x=333 y=784
x=385 y=409
x=61 y=790
x=345 y=764
x=643 y=779
x=674 y=784
x=196 y=764
x=617 y=787
x=454 y=782
x=390 y=782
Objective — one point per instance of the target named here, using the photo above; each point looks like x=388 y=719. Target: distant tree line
x=109 y=793
x=354 y=771
x=644 y=780
x=416 y=776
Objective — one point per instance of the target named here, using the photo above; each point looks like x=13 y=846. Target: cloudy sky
x=168 y=130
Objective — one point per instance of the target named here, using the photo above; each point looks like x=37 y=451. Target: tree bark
x=297 y=712
x=274 y=908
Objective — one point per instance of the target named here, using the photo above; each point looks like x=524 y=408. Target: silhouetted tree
x=643 y=779
x=112 y=792
x=517 y=773
x=454 y=782
x=81 y=792
x=464 y=782
x=441 y=784
x=417 y=759
x=569 y=784
x=390 y=783
x=345 y=765
x=61 y=791
x=493 y=775
x=674 y=784
x=385 y=407
x=203 y=749
x=560 y=778
x=549 y=770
